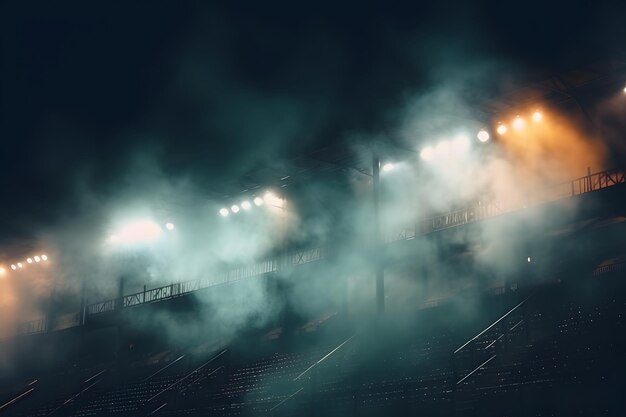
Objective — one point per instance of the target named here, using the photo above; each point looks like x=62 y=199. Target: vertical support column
x=378 y=262
x=83 y=305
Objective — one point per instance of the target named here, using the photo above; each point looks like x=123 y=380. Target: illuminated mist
x=513 y=170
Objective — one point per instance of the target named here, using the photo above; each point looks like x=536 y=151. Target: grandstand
x=217 y=209
x=530 y=346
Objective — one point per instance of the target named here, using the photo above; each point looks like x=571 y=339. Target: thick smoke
x=261 y=124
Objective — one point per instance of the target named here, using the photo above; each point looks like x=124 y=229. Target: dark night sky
x=209 y=89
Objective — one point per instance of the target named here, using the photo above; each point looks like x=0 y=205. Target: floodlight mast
x=378 y=263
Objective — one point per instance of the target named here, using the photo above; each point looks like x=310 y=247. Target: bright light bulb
x=518 y=123
x=501 y=129
x=537 y=116
x=223 y=212
x=269 y=196
x=427 y=153
x=387 y=167
x=234 y=208
x=29 y=260
x=258 y=201
x=19 y=265
x=483 y=135
x=169 y=226
x=246 y=205
x=44 y=257
x=13 y=267
x=137 y=231
x=37 y=259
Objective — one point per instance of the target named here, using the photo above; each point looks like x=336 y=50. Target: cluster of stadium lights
x=21 y=265
x=141 y=230
x=461 y=143
x=519 y=123
x=246 y=205
x=446 y=148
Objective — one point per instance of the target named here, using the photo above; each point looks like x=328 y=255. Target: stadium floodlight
x=19 y=265
x=234 y=208
x=483 y=135
x=169 y=226
x=142 y=230
x=273 y=200
x=269 y=196
x=501 y=129
x=518 y=123
x=223 y=212
x=37 y=259
x=258 y=201
x=537 y=116
x=246 y=205
x=427 y=153
x=29 y=260
x=13 y=267
x=44 y=257
x=388 y=167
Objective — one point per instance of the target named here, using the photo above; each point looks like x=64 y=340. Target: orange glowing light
x=501 y=129
x=537 y=116
x=518 y=123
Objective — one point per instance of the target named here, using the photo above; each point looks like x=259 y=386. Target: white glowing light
x=169 y=226
x=460 y=144
x=37 y=259
x=501 y=129
x=246 y=205
x=44 y=257
x=29 y=260
x=234 y=208
x=427 y=153
x=388 y=167
x=2 y=271
x=258 y=201
x=528 y=259
x=269 y=196
x=13 y=267
x=624 y=89
x=19 y=265
x=137 y=231
x=273 y=200
x=518 y=123
x=483 y=135
x=223 y=212
x=537 y=116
